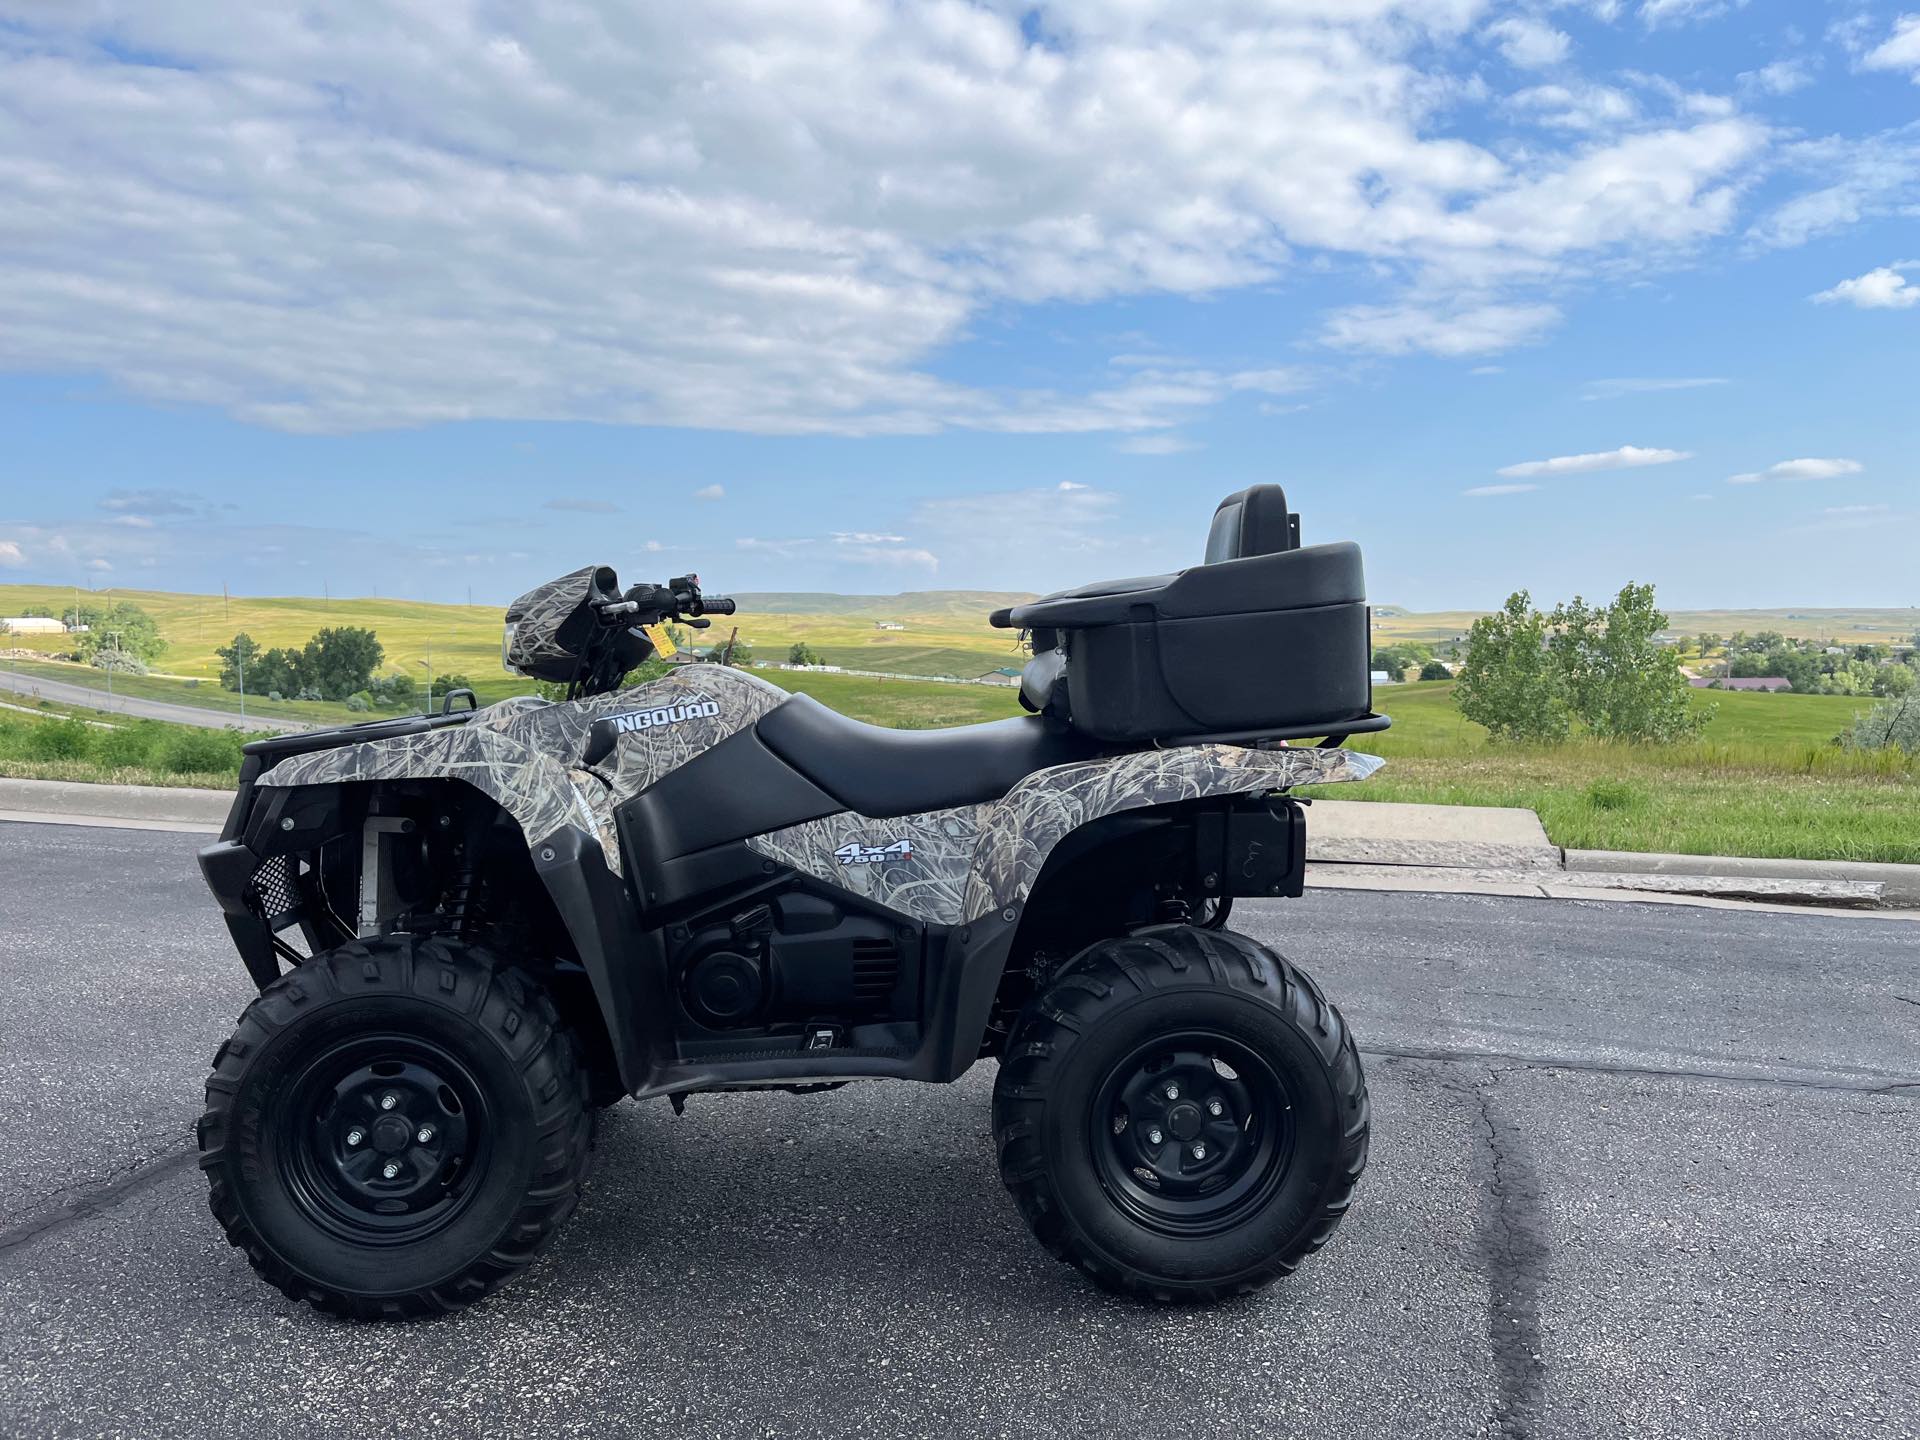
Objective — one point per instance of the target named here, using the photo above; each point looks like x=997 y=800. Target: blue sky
x=865 y=297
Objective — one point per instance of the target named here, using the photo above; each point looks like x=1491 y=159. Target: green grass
x=1763 y=779
x=903 y=704
x=62 y=744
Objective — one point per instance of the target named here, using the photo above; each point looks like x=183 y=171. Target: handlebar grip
x=716 y=604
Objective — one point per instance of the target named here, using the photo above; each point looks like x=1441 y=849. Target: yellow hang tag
x=663 y=645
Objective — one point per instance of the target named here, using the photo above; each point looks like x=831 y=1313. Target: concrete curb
x=1900 y=883
x=146 y=807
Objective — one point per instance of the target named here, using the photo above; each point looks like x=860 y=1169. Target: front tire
x=395 y=1128
x=1182 y=1114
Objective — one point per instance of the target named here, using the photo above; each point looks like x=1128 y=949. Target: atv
x=472 y=929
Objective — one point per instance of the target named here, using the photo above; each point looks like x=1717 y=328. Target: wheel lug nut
x=1199 y=1152
x=354 y=1137
x=1172 y=1092
x=1215 y=1108
x=426 y=1134
x=390 y=1169
x=1154 y=1137
x=389 y=1100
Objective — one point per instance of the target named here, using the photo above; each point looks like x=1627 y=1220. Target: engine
x=792 y=958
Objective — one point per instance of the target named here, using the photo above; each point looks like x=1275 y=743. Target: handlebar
x=679 y=599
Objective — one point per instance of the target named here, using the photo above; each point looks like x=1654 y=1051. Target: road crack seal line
x=1511 y=1236
x=1654 y=1072
x=146 y=1173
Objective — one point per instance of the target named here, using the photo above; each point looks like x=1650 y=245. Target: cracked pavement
x=1636 y=1171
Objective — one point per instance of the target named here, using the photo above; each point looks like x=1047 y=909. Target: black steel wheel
x=396 y=1128
x=1181 y=1114
x=1191 y=1132
x=388 y=1139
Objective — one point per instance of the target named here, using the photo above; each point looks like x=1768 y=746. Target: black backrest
x=1254 y=521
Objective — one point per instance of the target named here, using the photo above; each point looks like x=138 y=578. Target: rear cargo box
x=1269 y=643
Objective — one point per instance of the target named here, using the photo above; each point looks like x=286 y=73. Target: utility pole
x=111 y=662
x=240 y=660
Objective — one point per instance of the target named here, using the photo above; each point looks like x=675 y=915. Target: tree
x=1527 y=674
x=802 y=654
x=1618 y=679
x=120 y=626
x=1507 y=682
x=340 y=660
x=1434 y=670
x=238 y=660
x=443 y=683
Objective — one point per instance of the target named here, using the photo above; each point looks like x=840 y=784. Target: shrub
x=1434 y=670
x=129 y=745
x=1893 y=724
x=359 y=702
x=197 y=751
x=60 y=740
x=122 y=660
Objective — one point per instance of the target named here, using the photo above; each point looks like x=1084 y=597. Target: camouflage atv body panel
x=945 y=866
x=951 y=867
x=526 y=753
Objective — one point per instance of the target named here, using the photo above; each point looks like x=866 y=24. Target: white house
x=31 y=625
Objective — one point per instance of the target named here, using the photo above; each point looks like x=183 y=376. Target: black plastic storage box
x=1274 y=642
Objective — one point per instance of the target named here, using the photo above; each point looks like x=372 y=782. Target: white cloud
x=1884 y=288
x=1854 y=179
x=1781 y=77
x=1899 y=51
x=11 y=554
x=865 y=537
x=1156 y=445
x=1614 y=389
x=1627 y=457
x=711 y=492
x=756 y=217
x=1656 y=13
x=99 y=563
x=1529 y=43
x=1481 y=490
x=582 y=506
x=1855 y=509
x=1576 y=107
x=1813 y=469
x=1471 y=330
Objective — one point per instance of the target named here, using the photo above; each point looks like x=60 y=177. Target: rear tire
x=1182 y=1114
x=395 y=1128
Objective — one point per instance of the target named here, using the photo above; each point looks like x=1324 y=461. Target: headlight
x=506 y=646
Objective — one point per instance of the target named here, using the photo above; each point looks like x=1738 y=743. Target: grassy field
x=51 y=742
x=1763 y=779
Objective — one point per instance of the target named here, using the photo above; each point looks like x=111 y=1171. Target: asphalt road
x=67 y=693
x=1637 y=1171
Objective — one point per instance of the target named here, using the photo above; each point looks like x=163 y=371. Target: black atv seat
x=879 y=772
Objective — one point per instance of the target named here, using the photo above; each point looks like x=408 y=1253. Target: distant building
x=1744 y=682
x=31 y=625
x=888 y=625
x=1382 y=677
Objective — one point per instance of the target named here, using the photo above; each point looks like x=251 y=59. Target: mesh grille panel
x=272 y=892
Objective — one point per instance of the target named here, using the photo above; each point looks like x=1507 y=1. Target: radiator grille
x=274 y=894
x=876 y=969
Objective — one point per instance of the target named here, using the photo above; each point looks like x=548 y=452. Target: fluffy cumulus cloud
x=775 y=218
x=1882 y=288
x=1627 y=457
x=1807 y=469
x=1899 y=51
x=1529 y=43
x=11 y=555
